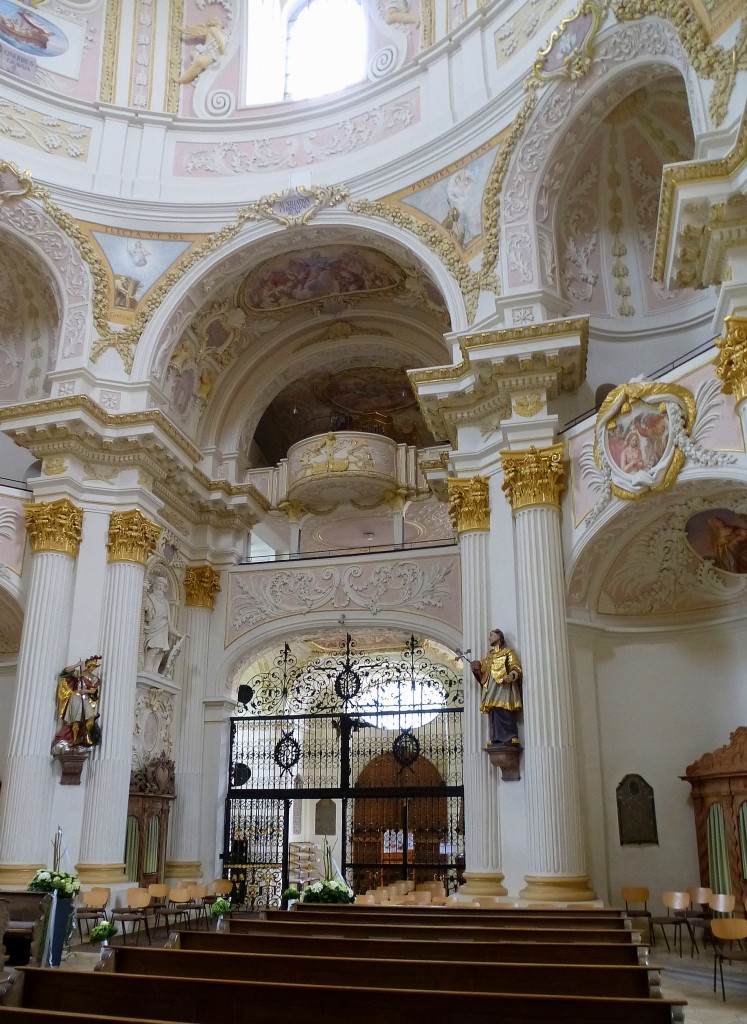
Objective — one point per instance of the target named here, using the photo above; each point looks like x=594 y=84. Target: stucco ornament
x=569 y=52
x=644 y=433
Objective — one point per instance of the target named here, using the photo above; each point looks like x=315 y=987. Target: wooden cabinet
x=719 y=791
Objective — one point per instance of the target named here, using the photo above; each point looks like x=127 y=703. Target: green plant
x=327 y=892
x=291 y=893
x=65 y=885
x=103 y=932
x=220 y=906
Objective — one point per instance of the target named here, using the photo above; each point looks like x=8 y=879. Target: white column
x=185 y=828
x=26 y=831
x=132 y=538
x=470 y=512
x=556 y=868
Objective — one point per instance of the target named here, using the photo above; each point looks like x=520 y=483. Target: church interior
x=326 y=420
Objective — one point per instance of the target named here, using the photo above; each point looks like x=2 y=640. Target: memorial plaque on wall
x=636 y=814
x=325 y=818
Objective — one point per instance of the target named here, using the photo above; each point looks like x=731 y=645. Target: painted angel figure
x=211 y=40
x=78 y=692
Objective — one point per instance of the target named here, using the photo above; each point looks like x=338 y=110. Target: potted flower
x=290 y=896
x=64 y=888
x=218 y=909
x=102 y=933
x=328 y=891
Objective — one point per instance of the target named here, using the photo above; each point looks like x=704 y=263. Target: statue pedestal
x=71 y=762
x=507 y=758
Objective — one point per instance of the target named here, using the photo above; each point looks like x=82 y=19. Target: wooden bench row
x=203 y=1000
x=562 y=979
x=28 y=913
x=487 y=951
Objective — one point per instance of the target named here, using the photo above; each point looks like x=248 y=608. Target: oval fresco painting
x=28 y=31
x=292 y=279
x=719 y=536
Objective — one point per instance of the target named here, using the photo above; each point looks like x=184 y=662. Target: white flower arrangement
x=66 y=886
x=328 y=891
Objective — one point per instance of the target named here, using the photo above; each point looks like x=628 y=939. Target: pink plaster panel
x=298 y=150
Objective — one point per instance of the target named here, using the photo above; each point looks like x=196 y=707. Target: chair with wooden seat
x=198 y=896
x=159 y=895
x=699 y=914
x=676 y=903
x=136 y=911
x=178 y=907
x=92 y=908
x=222 y=887
x=725 y=931
x=635 y=898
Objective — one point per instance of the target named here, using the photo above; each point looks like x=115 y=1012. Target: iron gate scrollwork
x=379 y=734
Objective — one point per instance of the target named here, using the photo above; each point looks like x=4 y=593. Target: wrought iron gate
x=379 y=735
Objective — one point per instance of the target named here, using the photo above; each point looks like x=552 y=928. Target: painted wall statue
x=499 y=675
x=78 y=693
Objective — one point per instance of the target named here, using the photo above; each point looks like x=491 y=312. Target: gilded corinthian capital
x=132 y=537
x=533 y=477
x=731 y=365
x=469 y=504
x=54 y=526
x=201 y=583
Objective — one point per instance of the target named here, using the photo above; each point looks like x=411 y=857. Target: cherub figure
x=211 y=41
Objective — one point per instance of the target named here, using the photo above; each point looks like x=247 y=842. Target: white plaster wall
x=7 y=701
x=651 y=705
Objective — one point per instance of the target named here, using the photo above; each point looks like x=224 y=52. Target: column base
x=95 y=874
x=483 y=883
x=186 y=870
x=560 y=888
x=14 y=876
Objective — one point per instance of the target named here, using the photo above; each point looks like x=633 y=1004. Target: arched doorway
x=380 y=736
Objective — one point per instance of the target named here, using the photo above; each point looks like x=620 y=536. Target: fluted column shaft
x=556 y=868
x=185 y=830
x=470 y=512
x=131 y=539
x=26 y=800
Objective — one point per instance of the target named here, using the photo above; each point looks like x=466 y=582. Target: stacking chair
x=136 y=911
x=635 y=898
x=198 y=894
x=725 y=931
x=223 y=887
x=699 y=913
x=676 y=904
x=92 y=908
x=178 y=906
x=159 y=895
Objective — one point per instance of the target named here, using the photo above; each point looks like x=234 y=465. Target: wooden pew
x=24 y=934
x=560 y=979
x=434 y=909
x=25 y=1015
x=440 y=917
x=203 y=1001
x=484 y=951
x=291 y=924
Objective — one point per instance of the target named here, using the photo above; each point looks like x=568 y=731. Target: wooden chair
x=92 y=908
x=725 y=931
x=198 y=895
x=635 y=898
x=699 y=914
x=722 y=904
x=136 y=911
x=223 y=887
x=159 y=895
x=178 y=906
x=676 y=904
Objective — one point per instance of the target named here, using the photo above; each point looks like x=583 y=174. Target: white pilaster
x=131 y=539
x=26 y=802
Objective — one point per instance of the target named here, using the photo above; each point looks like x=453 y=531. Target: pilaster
x=534 y=481
x=54 y=530
x=132 y=538
x=202 y=583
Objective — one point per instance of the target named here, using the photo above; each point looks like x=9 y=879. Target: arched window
x=325 y=48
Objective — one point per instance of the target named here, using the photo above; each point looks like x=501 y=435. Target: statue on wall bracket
x=78 y=694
